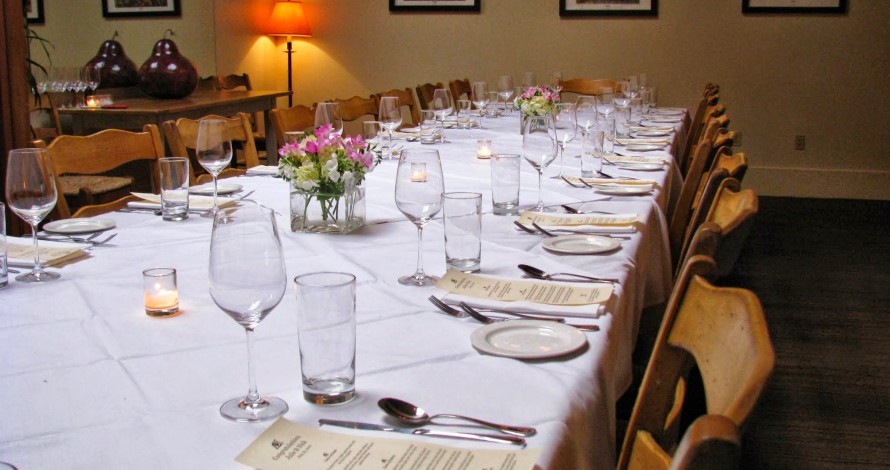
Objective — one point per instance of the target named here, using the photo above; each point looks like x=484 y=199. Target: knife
x=425 y=432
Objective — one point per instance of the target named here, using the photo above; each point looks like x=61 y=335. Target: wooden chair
x=295 y=118
x=710 y=442
x=697 y=128
x=226 y=173
x=460 y=89
x=425 y=93
x=182 y=135
x=723 y=332
x=355 y=110
x=99 y=209
x=585 y=86
x=406 y=99
x=208 y=83
x=233 y=81
x=81 y=164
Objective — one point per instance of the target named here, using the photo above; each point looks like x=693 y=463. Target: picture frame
x=608 y=7
x=34 y=12
x=131 y=8
x=465 y=6
x=794 y=6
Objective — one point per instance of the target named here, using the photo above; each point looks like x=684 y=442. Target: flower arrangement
x=330 y=170
x=537 y=101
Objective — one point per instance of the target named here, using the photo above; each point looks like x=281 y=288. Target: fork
x=463 y=314
x=572 y=210
x=573 y=184
x=486 y=319
x=67 y=238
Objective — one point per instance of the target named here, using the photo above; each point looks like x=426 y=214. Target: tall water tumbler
x=174 y=188
x=505 y=183
x=463 y=231
x=326 y=329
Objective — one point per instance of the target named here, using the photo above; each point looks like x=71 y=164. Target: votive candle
x=418 y=172
x=160 y=292
x=483 y=149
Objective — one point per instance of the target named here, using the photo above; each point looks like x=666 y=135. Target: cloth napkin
x=634 y=159
x=263 y=170
x=583 y=311
x=198 y=203
x=613 y=181
x=20 y=252
x=651 y=141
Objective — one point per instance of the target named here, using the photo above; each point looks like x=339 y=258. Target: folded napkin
x=612 y=181
x=405 y=135
x=642 y=141
x=632 y=159
x=522 y=306
x=198 y=203
x=667 y=111
x=263 y=170
x=20 y=252
x=651 y=128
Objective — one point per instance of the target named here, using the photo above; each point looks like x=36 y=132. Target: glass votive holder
x=418 y=172
x=483 y=149
x=160 y=292
x=97 y=101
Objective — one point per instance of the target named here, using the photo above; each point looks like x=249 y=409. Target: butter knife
x=425 y=432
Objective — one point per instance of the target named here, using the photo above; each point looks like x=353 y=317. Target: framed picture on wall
x=131 y=8
x=34 y=11
x=435 y=5
x=608 y=7
x=794 y=6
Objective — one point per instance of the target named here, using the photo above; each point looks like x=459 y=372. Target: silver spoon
x=540 y=274
x=414 y=415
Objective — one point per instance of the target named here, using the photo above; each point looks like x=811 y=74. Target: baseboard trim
x=819 y=183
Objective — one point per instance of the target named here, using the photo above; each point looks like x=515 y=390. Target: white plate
x=580 y=244
x=652 y=133
x=629 y=190
x=527 y=339
x=75 y=226
x=207 y=189
x=640 y=166
x=643 y=147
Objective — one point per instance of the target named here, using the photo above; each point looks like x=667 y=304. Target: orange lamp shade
x=288 y=19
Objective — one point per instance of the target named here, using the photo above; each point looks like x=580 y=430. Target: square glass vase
x=316 y=212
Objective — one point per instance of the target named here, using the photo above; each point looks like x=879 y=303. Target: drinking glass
x=539 y=149
x=247 y=281
x=505 y=90
x=480 y=99
x=214 y=152
x=585 y=113
x=31 y=194
x=442 y=105
x=390 y=117
x=565 y=125
x=418 y=194
x=463 y=113
x=329 y=113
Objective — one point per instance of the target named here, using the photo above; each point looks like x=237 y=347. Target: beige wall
x=819 y=76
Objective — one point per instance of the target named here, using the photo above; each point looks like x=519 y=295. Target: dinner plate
x=527 y=339
x=643 y=147
x=640 y=166
x=651 y=133
x=629 y=190
x=667 y=112
x=580 y=244
x=207 y=189
x=79 y=225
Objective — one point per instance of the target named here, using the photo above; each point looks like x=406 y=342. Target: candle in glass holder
x=160 y=292
x=418 y=172
x=92 y=102
x=483 y=149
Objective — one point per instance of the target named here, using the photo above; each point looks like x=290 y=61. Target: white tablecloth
x=89 y=381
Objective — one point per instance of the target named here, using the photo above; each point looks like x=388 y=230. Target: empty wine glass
x=556 y=81
x=390 y=118
x=31 y=194
x=585 y=113
x=247 y=281
x=329 y=113
x=480 y=98
x=529 y=80
x=419 y=189
x=565 y=125
x=539 y=149
x=91 y=77
x=604 y=105
x=214 y=152
x=505 y=90
x=442 y=105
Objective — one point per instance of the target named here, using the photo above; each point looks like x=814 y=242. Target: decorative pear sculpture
x=167 y=73
x=115 y=68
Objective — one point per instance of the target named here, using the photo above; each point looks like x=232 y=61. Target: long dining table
x=90 y=381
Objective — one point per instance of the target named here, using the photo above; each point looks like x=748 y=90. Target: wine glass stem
x=37 y=267
x=562 y=149
x=252 y=395
x=215 y=207
x=540 y=196
x=419 y=273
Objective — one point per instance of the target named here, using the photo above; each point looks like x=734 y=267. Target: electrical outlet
x=800 y=142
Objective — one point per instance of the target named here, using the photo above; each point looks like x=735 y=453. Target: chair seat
x=94 y=184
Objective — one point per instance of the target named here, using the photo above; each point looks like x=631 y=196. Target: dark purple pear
x=115 y=68
x=167 y=73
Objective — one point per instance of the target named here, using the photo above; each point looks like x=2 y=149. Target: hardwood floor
x=822 y=271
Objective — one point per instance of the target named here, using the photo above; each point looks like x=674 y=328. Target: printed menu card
x=513 y=290
x=288 y=445
x=548 y=219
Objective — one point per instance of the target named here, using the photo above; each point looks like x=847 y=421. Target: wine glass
x=329 y=113
x=480 y=99
x=604 y=105
x=505 y=89
x=442 y=105
x=91 y=77
x=31 y=194
x=585 y=113
x=556 y=81
x=539 y=149
x=565 y=125
x=214 y=152
x=529 y=80
x=390 y=117
x=247 y=281
x=419 y=189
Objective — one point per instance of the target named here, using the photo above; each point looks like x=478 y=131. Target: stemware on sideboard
x=31 y=193
x=213 y=151
x=247 y=280
x=418 y=194
x=539 y=149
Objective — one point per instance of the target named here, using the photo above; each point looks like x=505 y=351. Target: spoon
x=417 y=416
x=539 y=274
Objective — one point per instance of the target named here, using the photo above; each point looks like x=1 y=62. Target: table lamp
x=288 y=19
